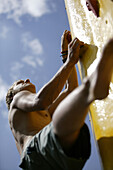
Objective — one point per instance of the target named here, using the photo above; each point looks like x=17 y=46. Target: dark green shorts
x=45 y=152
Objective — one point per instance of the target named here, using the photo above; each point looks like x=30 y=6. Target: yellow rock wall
x=95 y=31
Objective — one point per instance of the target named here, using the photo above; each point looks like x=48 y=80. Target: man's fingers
x=72 y=43
x=69 y=38
x=64 y=35
x=76 y=40
x=65 y=32
x=81 y=43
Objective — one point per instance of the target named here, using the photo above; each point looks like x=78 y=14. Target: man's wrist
x=64 y=55
x=64 y=59
x=64 y=51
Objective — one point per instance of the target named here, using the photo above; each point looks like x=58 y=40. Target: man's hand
x=72 y=47
x=65 y=40
x=73 y=50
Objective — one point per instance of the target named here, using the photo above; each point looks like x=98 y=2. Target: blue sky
x=30 y=32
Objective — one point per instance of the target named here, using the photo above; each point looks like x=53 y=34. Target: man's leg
x=70 y=114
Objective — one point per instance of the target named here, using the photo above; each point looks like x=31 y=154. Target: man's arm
x=72 y=81
x=71 y=84
x=51 y=90
x=45 y=97
x=29 y=102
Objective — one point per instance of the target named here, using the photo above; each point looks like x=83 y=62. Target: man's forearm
x=52 y=89
x=71 y=84
x=72 y=81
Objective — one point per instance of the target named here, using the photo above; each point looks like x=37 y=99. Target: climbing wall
x=92 y=22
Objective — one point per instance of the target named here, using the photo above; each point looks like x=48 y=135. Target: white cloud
x=16 y=70
x=31 y=44
x=4 y=113
x=33 y=61
x=25 y=38
x=29 y=60
x=40 y=61
x=33 y=49
x=3 y=32
x=17 y=8
x=3 y=90
x=35 y=46
x=36 y=8
x=16 y=66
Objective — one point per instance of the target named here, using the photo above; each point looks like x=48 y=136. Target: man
x=48 y=126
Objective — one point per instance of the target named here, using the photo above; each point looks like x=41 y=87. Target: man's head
x=18 y=86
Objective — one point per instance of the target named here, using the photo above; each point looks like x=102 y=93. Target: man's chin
x=32 y=89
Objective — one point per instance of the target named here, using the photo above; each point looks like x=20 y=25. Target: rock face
x=92 y=22
x=93 y=5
